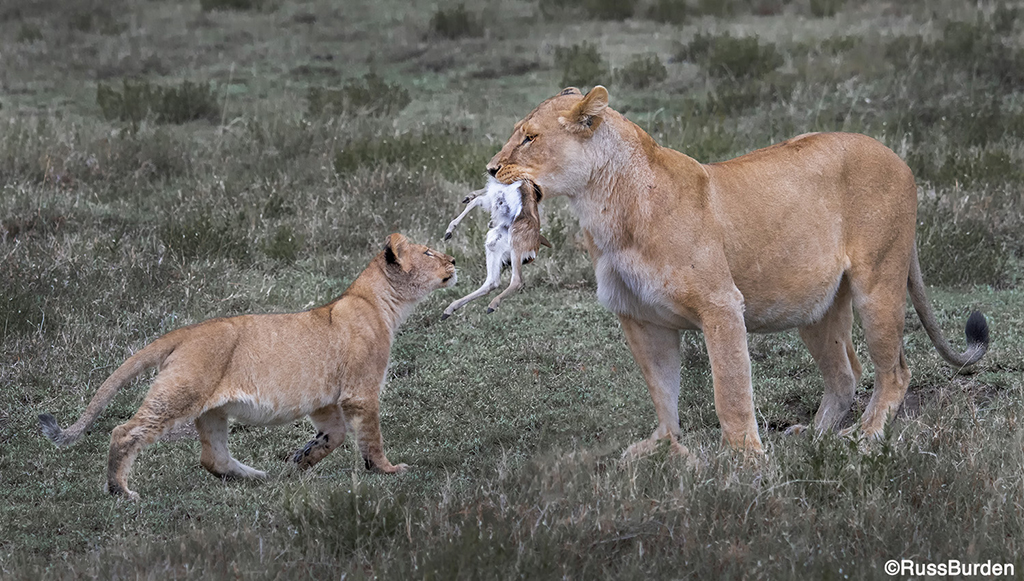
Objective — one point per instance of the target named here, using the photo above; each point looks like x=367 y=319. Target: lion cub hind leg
x=330 y=424
x=153 y=420
x=215 y=457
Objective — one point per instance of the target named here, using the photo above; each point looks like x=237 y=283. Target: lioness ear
x=394 y=248
x=584 y=117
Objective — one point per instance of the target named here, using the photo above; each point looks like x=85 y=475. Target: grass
x=330 y=132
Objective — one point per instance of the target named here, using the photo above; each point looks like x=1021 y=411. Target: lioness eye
x=429 y=253
x=528 y=139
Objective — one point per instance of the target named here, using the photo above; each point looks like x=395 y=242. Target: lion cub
x=327 y=363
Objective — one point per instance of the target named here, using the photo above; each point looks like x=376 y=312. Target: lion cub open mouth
x=327 y=363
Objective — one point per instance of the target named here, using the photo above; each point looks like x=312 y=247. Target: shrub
x=991 y=167
x=348 y=519
x=960 y=251
x=597 y=9
x=642 y=71
x=668 y=11
x=581 y=65
x=440 y=149
x=212 y=5
x=728 y=56
x=825 y=8
x=29 y=32
x=609 y=9
x=193 y=237
x=284 y=245
x=1004 y=18
x=372 y=96
x=972 y=49
x=140 y=100
x=455 y=23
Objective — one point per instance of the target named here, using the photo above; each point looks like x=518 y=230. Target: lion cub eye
x=428 y=253
x=528 y=139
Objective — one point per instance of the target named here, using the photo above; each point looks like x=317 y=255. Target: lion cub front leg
x=363 y=416
x=329 y=422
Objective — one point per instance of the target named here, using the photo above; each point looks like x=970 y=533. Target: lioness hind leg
x=330 y=424
x=830 y=342
x=215 y=457
x=882 y=314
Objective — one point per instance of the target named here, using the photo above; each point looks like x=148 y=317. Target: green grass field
x=164 y=162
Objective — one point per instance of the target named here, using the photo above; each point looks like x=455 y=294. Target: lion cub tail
x=150 y=356
x=976 y=329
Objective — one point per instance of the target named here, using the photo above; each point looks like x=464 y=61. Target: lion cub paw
x=314 y=451
x=386 y=467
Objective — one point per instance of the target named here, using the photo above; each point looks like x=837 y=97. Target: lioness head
x=414 y=269
x=550 y=145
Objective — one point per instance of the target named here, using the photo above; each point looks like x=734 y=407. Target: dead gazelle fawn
x=513 y=238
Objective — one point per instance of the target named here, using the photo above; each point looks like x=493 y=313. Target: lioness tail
x=976 y=329
x=150 y=356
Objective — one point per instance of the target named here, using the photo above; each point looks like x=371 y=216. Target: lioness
x=327 y=363
x=792 y=235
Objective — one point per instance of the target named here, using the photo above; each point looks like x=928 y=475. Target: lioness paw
x=795 y=429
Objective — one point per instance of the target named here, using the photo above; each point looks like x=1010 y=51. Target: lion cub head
x=414 y=270
x=546 y=146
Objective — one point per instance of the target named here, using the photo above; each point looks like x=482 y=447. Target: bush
x=642 y=71
x=668 y=11
x=371 y=96
x=971 y=49
x=284 y=245
x=597 y=9
x=440 y=149
x=992 y=167
x=211 y=5
x=728 y=56
x=193 y=237
x=29 y=32
x=960 y=251
x=581 y=65
x=140 y=100
x=348 y=519
x=825 y=8
x=455 y=23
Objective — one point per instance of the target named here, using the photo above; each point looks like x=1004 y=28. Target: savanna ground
x=163 y=162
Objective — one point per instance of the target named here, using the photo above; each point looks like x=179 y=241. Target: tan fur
x=792 y=235
x=328 y=363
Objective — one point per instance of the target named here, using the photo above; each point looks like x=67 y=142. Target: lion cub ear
x=584 y=117
x=394 y=248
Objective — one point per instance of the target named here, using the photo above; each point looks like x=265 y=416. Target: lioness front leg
x=656 y=351
x=330 y=424
x=363 y=416
x=725 y=335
